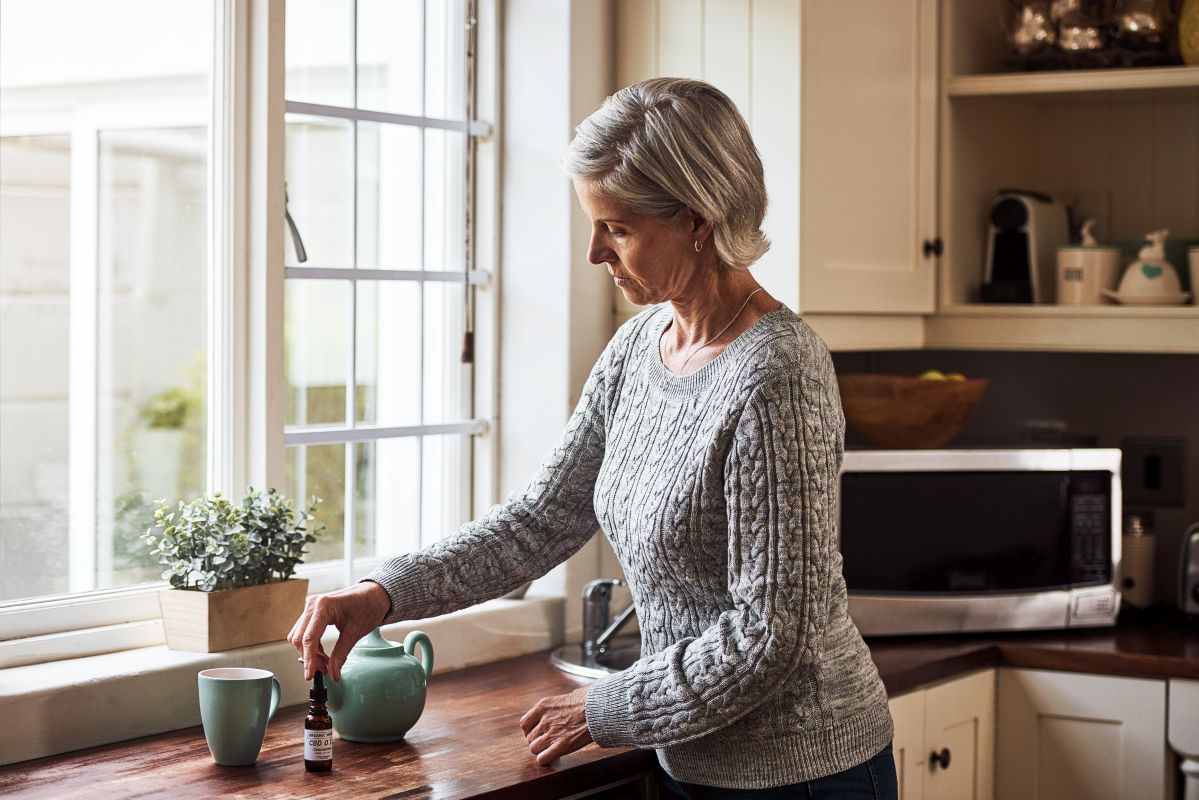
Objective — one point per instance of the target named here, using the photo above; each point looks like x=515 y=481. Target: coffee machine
x=1024 y=233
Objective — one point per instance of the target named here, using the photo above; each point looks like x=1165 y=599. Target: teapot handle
x=426 y=650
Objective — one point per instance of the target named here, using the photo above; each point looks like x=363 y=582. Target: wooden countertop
x=1156 y=644
x=468 y=743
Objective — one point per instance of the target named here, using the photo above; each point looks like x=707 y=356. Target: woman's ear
x=701 y=229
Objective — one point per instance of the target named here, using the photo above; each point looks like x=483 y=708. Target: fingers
x=531 y=718
x=295 y=636
x=345 y=641
x=315 y=659
x=546 y=750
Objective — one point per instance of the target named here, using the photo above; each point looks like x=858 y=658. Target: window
x=126 y=167
x=379 y=276
x=105 y=114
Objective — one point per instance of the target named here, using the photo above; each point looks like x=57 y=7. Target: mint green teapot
x=381 y=693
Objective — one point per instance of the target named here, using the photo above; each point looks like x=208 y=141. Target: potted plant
x=230 y=568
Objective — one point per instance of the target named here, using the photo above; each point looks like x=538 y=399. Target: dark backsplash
x=1100 y=398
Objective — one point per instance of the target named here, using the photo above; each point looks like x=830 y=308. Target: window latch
x=297 y=242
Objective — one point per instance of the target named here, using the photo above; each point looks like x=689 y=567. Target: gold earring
x=699 y=248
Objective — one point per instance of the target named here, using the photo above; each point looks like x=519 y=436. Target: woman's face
x=650 y=259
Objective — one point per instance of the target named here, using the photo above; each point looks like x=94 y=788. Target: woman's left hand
x=557 y=725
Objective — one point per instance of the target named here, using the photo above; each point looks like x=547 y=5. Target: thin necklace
x=702 y=345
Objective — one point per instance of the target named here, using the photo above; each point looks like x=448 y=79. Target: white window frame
x=245 y=332
x=351 y=433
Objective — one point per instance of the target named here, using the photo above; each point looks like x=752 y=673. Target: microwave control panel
x=1090 y=528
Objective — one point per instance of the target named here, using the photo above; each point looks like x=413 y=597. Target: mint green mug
x=236 y=703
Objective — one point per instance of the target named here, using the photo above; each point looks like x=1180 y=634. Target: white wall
x=556 y=309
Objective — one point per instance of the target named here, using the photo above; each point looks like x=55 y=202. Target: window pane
x=445 y=206
x=446 y=378
x=445 y=59
x=443 y=492
x=316 y=350
x=389 y=196
x=388 y=353
x=320 y=470
x=320 y=190
x=387 y=498
x=411 y=492
x=390 y=55
x=320 y=46
x=103 y=282
x=35 y=204
x=153 y=303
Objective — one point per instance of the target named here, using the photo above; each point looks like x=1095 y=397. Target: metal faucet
x=597 y=631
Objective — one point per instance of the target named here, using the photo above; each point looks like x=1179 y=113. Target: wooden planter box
x=206 y=622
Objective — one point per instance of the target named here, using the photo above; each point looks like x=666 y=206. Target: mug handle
x=276 y=693
x=426 y=650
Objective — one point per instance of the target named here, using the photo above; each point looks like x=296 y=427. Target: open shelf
x=1118 y=329
x=1148 y=84
x=1056 y=311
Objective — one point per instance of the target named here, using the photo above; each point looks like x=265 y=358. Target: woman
x=707 y=444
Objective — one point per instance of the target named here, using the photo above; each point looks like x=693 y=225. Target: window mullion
x=225 y=406
x=264 y=394
x=84 y=352
x=352 y=387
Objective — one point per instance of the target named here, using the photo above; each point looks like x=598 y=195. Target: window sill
x=59 y=706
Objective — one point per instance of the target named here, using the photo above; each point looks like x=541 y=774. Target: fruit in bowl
x=938 y=375
x=909 y=412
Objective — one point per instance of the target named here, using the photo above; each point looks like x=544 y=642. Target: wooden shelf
x=1054 y=311
x=1113 y=329
x=1147 y=84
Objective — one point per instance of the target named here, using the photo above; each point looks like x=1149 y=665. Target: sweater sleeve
x=519 y=540
x=780 y=481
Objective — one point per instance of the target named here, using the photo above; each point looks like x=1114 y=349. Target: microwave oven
x=980 y=539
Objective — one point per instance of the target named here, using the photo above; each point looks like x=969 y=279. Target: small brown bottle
x=318 y=729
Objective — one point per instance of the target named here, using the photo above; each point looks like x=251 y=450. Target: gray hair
x=665 y=144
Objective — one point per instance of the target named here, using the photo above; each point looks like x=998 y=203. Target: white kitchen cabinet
x=868 y=156
x=907 y=710
x=944 y=739
x=1183 y=726
x=1063 y=734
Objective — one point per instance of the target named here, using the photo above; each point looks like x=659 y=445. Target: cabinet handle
x=933 y=247
x=941 y=758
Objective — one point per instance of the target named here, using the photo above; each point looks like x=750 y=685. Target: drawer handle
x=942 y=758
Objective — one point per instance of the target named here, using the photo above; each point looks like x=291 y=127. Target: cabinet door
x=1062 y=734
x=908 y=746
x=868 y=156
x=959 y=723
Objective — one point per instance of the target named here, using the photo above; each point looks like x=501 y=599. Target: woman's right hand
x=355 y=610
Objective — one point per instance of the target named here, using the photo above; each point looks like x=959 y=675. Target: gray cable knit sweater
x=717 y=492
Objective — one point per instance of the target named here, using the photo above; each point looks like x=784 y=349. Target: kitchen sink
x=618 y=654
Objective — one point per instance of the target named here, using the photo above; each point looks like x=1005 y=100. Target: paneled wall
x=749 y=49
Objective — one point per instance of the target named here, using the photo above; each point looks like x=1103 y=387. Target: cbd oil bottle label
x=318 y=745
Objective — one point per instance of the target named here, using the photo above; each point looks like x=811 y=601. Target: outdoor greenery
x=210 y=544
x=171 y=408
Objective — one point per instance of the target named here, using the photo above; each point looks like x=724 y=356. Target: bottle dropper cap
x=318 y=691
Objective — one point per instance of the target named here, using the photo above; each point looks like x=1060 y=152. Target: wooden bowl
x=908 y=412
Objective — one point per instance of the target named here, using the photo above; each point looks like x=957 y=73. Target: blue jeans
x=871 y=780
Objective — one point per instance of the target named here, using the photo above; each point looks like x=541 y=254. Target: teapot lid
x=373 y=644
